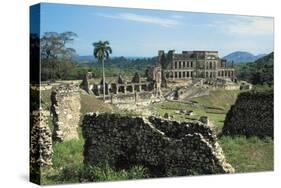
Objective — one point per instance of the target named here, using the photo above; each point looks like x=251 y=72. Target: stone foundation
x=251 y=115
x=41 y=150
x=165 y=147
x=66 y=112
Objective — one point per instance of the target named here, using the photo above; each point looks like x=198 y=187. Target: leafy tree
x=55 y=55
x=101 y=52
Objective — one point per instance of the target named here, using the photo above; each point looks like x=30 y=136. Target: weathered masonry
x=65 y=110
x=194 y=64
x=121 y=85
x=165 y=147
x=251 y=115
x=41 y=147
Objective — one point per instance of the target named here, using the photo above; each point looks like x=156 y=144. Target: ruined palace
x=187 y=68
x=194 y=64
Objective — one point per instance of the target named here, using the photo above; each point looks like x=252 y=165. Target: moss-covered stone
x=165 y=147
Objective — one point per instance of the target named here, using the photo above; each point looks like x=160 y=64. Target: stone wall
x=131 y=98
x=251 y=115
x=65 y=109
x=41 y=150
x=165 y=147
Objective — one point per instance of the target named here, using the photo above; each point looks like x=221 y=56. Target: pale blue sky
x=141 y=32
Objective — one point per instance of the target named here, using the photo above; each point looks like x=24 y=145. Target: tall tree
x=54 y=50
x=101 y=52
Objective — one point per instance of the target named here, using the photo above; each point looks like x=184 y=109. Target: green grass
x=89 y=103
x=68 y=152
x=105 y=173
x=219 y=99
x=248 y=154
x=215 y=106
x=216 y=117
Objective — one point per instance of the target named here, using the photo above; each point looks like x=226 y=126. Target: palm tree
x=101 y=52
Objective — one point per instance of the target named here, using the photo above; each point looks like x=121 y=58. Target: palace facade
x=194 y=64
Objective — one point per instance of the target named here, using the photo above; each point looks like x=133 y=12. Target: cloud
x=246 y=25
x=164 y=22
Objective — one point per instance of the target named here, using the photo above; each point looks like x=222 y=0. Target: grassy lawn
x=216 y=117
x=215 y=106
x=219 y=98
x=248 y=154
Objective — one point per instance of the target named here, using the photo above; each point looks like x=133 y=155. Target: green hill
x=259 y=72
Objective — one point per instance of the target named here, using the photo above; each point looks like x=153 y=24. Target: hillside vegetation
x=72 y=70
x=259 y=72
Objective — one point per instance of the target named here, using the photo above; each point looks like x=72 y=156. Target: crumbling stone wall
x=165 y=147
x=41 y=150
x=251 y=115
x=131 y=98
x=65 y=109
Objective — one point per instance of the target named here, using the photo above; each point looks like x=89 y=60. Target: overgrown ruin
x=65 y=110
x=165 y=147
x=251 y=115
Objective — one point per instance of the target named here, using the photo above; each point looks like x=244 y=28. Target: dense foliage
x=118 y=65
x=58 y=62
x=259 y=72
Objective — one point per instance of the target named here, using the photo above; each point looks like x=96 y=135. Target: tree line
x=58 y=62
x=259 y=72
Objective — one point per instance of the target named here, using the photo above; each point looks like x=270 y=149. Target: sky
x=142 y=32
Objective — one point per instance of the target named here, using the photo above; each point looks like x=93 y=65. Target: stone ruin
x=123 y=86
x=41 y=150
x=136 y=78
x=205 y=120
x=251 y=115
x=164 y=147
x=85 y=85
x=65 y=110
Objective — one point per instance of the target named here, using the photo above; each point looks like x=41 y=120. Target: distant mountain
x=84 y=58
x=242 y=57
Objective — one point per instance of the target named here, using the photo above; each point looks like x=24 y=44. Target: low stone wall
x=165 y=147
x=65 y=109
x=41 y=150
x=131 y=98
x=251 y=115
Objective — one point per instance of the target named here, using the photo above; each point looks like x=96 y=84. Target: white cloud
x=165 y=22
x=246 y=25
